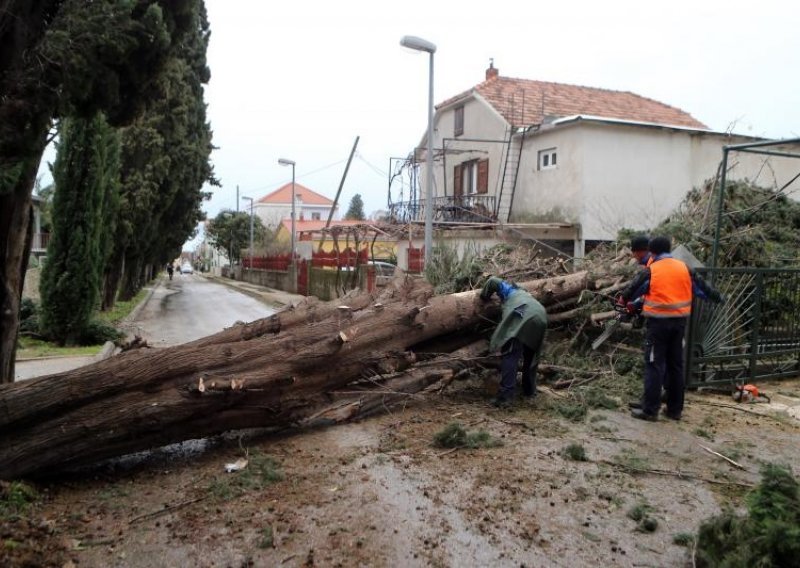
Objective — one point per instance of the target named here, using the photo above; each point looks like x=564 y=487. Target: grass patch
x=575 y=452
x=29 y=348
x=629 y=459
x=573 y=410
x=121 y=310
x=267 y=539
x=15 y=498
x=645 y=522
x=455 y=436
x=683 y=539
x=704 y=434
x=261 y=471
x=767 y=535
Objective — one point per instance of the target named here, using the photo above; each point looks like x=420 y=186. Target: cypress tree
x=356 y=209
x=85 y=174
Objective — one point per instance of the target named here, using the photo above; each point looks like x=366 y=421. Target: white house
x=309 y=204
x=588 y=161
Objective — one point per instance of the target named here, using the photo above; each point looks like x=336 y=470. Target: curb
x=140 y=306
x=260 y=296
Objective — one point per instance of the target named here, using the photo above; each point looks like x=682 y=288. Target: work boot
x=642 y=415
x=635 y=405
x=502 y=402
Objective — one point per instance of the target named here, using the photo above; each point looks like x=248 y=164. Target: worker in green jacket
x=520 y=333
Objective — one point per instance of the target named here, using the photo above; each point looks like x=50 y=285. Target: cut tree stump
x=274 y=372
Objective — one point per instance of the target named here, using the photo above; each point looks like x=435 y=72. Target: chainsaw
x=625 y=312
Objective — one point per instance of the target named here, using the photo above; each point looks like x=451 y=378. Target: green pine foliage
x=165 y=164
x=768 y=536
x=85 y=174
x=760 y=227
x=356 y=209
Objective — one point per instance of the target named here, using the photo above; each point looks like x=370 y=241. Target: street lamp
x=251 y=230
x=419 y=44
x=285 y=162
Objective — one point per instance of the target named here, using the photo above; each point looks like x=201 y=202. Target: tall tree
x=165 y=165
x=229 y=232
x=356 y=209
x=86 y=174
x=60 y=58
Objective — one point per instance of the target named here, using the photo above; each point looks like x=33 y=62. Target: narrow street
x=190 y=307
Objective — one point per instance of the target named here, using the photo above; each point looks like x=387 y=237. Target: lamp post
x=419 y=44
x=250 y=250
x=285 y=162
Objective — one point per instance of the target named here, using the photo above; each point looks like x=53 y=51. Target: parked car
x=186 y=268
x=384 y=272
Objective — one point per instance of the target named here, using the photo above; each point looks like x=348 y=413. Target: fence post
x=759 y=298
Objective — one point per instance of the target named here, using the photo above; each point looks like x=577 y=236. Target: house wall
x=272 y=214
x=480 y=121
x=553 y=195
x=611 y=177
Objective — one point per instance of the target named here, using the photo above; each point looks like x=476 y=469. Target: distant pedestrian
x=520 y=334
x=664 y=290
x=170 y=270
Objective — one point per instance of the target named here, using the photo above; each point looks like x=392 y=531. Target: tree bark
x=265 y=374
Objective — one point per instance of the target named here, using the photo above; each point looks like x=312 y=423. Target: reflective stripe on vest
x=670 y=294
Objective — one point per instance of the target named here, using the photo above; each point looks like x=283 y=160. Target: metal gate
x=754 y=334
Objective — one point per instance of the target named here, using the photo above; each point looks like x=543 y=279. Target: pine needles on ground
x=767 y=536
x=455 y=436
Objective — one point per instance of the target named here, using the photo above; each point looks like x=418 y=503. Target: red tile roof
x=524 y=102
x=284 y=195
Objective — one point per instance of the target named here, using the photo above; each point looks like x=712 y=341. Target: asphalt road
x=190 y=307
x=187 y=308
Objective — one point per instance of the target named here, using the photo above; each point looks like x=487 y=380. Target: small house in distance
x=309 y=205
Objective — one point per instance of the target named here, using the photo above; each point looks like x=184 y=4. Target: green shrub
x=575 y=452
x=97 y=332
x=28 y=317
x=15 y=498
x=768 y=535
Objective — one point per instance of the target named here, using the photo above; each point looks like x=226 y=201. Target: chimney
x=491 y=72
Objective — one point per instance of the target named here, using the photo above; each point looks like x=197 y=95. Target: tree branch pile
x=280 y=371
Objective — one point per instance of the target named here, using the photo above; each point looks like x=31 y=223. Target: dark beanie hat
x=660 y=245
x=639 y=242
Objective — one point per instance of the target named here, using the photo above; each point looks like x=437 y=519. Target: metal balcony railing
x=460 y=209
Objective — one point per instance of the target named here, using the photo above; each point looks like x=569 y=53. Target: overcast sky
x=301 y=79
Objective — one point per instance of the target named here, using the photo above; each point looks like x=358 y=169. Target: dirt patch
x=379 y=493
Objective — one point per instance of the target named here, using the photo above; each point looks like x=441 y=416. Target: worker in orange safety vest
x=663 y=291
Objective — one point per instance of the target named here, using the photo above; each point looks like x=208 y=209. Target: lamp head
x=285 y=162
x=418 y=44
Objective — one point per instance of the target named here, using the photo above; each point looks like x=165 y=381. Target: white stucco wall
x=555 y=194
x=272 y=214
x=480 y=121
x=613 y=176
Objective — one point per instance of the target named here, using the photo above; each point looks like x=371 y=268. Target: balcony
x=450 y=209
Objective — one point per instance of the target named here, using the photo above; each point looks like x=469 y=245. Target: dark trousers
x=663 y=364
x=512 y=351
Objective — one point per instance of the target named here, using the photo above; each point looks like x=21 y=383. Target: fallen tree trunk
x=263 y=374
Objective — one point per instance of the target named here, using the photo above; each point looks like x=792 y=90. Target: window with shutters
x=548 y=159
x=458 y=129
x=471 y=177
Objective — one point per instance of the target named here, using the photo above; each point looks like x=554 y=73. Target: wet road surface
x=189 y=307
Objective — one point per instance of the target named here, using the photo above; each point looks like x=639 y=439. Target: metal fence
x=754 y=334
